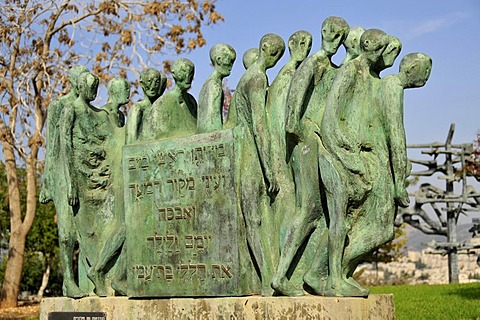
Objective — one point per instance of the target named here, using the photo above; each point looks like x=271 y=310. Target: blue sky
x=448 y=31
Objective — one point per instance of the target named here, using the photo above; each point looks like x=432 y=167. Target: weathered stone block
x=307 y=307
x=185 y=235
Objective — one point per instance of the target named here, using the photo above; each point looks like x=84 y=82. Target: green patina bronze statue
x=54 y=188
x=305 y=106
x=210 y=103
x=300 y=182
x=153 y=84
x=175 y=113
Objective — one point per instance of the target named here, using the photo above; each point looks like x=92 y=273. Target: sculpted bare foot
x=70 y=289
x=284 y=287
x=120 y=286
x=352 y=281
x=317 y=284
x=343 y=288
x=98 y=279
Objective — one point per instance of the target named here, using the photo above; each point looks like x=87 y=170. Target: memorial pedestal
x=253 y=307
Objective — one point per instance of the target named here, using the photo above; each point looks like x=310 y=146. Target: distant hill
x=416 y=239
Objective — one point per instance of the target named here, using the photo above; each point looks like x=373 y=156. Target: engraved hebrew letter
x=216 y=267
x=169 y=273
x=226 y=270
x=189 y=241
x=189 y=211
x=183 y=270
x=170 y=213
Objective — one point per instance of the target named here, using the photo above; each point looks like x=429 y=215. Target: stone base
x=253 y=307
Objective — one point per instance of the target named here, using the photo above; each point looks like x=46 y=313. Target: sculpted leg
x=254 y=208
x=316 y=276
x=337 y=192
x=361 y=244
x=307 y=212
x=66 y=233
x=110 y=250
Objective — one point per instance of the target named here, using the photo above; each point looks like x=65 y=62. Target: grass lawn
x=452 y=301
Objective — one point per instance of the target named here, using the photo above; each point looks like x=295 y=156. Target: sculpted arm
x=67 y=121
x=133 y=123
x=332 y=135
x=257 y=96
x=299 y=93
x=52 y=153
x=396 y=141
x=51 y=123
x=339 y=140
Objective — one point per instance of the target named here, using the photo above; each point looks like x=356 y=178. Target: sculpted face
x=352 y=42
x=224 y=62
x=273 y=57
x=88 y=86
x=300 y=46
x=373 y=43
x=416 y=68
x=391 y=51
x=332 y=37
x=183 y=74
x=74 y=74
x=272 y=48
x=151 y=84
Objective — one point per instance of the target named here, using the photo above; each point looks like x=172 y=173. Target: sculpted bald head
x=334 y=32
x=415 y=68
x=222 y=57
x=271 y=49
x=299 y=45
x=182 y=72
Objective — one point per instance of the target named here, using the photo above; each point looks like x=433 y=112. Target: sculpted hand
x=44 y=196
x=72 y=195
x=273 y=184
x=401 y=196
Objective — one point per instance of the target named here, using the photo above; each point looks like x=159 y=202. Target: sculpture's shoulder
x=212 y=83
x=138 y=107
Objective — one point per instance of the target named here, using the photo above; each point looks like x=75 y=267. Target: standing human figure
x=386 y=161
x=114 y=233
x=175 y=113
x=255 y=154
x=86 y=134
x=317 y=273
x=249 y=57
x=153 y=84
x=299 y=45
x=210 y=102
x=54 y=162
x=118 y=95
x=304 y=109
x=343 y=171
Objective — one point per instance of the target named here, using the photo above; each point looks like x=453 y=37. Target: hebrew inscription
x=181 y=197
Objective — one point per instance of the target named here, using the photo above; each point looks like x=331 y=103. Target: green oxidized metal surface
x=181 y=212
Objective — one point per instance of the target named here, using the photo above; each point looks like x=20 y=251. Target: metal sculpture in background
x=447 y=204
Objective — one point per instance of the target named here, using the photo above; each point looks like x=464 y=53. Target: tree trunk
x=16 y=245
x=13 y=272
x=18 y=228
x=46 y=276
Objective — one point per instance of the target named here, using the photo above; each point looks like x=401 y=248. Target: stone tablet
x=185 y=235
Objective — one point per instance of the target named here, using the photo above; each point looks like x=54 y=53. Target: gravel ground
x=24 y=312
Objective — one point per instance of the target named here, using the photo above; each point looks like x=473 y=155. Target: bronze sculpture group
x=322 y=159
